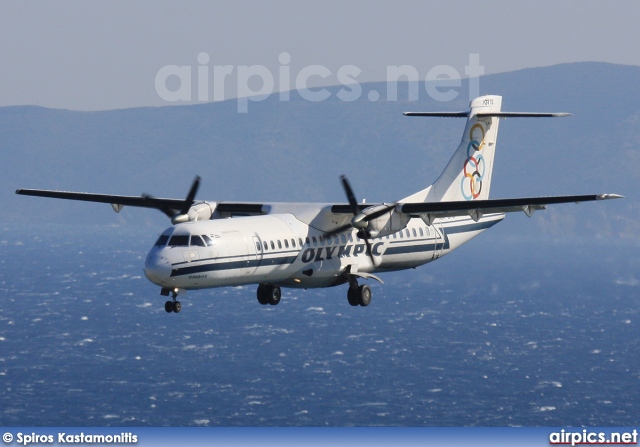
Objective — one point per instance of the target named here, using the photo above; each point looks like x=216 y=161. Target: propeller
x=176 y=216
x=191 y=196
x=360 y=221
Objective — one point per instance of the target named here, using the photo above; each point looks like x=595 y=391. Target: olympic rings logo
x=474 y=165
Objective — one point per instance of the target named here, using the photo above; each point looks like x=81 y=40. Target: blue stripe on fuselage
x=231 y=265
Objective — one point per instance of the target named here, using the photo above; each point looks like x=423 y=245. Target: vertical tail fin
x=468 y=173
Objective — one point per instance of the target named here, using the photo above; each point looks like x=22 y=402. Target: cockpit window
x=197 y=240
x=207 y=240
x=162 y=240
x=181 y=240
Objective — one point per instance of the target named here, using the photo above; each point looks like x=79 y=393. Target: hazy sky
x=104 y=55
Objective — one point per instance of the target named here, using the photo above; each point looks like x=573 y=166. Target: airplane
x=311 y=245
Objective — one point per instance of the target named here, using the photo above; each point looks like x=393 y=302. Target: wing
x=428 y=211
x=476 y=208
x=139 y=201
x=170 y=207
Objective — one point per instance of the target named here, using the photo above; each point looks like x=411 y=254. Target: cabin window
x=265 y=245
x=413 y=230
x=258 y=247
x=197 y=241
x=207 y=240
x=273 y=246
x=286 y=243
x=308 y=242
x=162 y=240
x=315 y=241
x=350 y=238
x=279 y=244
x=407 y=231
x=420 y=230
x=344 y=239
x=293 y=242
x=300 y=242
x=181 y=240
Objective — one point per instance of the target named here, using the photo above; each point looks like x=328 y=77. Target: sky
x=119 y=54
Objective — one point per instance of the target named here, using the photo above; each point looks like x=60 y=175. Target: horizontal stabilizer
x=441 y=114
x=491 y=114
x=523 y=114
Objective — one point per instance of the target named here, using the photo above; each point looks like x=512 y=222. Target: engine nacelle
x=199 y=211
x=386 y=224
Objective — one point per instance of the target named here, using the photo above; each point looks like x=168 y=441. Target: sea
x=517 y=331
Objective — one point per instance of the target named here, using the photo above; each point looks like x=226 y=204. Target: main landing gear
x=358 y=295
x=269 y=294
x=171 y=306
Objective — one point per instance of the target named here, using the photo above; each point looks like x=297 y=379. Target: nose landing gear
x=171 y=306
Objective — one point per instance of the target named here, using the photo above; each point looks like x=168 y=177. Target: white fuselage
x=280 y=249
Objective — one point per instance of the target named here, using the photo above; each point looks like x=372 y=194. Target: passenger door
x=242 y=255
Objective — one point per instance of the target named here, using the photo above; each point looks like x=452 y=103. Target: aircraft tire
x=364 y=295
x=263 y=297
x=168 y=307
x=274 y=295
x=352 y=296
x=177 y=307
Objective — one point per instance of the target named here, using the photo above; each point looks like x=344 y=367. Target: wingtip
x=609 y=196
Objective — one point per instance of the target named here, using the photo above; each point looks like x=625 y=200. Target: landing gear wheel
x=352 y=296
x=274 y=295
x=172 y=306
x=263 y=297
x=177 y=307
x=269 y=294
x=364 y=295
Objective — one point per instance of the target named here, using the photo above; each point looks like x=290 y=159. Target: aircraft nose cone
x=157 y=269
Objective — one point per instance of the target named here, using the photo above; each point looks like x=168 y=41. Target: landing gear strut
x=358 y=295
x=171 y=306
x=269 y=294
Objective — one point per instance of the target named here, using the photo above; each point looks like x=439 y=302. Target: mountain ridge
x=296 y=150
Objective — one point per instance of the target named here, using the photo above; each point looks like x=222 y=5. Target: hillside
x=296 y=150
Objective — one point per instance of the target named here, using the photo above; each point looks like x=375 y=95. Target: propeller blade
x=350 y=195
x=339 y=230
x=359 y=221
x=191 y=196
x=151 y=201
x=370 y=253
